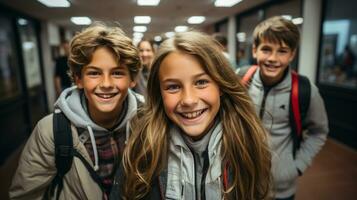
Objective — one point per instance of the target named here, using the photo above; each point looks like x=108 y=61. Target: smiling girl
x=198 y=136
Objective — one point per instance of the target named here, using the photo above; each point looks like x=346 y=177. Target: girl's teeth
x=192 y=114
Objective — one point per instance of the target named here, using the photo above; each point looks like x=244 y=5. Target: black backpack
x=64 y=154
x=299 y=101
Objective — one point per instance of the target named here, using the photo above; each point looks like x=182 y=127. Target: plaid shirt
x=110 y=150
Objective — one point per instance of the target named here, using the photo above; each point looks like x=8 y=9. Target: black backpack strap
x=63 y=150
x=304 y=96
x=90 y=169
x=299 y=103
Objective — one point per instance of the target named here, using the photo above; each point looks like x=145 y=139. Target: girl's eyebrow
x=174 y=80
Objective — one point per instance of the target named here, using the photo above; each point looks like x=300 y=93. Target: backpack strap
x=63 y=150
x=247 y=73
x=299 y=103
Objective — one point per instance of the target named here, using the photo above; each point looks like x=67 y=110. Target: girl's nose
x=189 y=97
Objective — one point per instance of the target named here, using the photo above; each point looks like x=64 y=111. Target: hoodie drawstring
x=94 y=146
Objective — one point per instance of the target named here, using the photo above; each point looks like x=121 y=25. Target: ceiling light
x=22 y=21
x=81 y=20
x=226 y=3
x=241 y=36
x=157 y=38
x=136 y=41
x=138 y=35
x=139 y=28
x=181 y=28
x=169 y=34
x=142 y=19
x=298 y=20
x=148 y=2
x=55 y=3
x=196 y=19
x=288 y=17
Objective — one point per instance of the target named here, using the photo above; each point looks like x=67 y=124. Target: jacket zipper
x=262 y=107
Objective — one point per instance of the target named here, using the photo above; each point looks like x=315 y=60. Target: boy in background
x=275 y=43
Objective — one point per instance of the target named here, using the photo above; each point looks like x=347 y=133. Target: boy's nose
x=106 y=82
x=272 y=56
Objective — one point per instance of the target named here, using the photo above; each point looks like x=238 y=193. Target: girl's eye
x=172 y=88
x=201 y=83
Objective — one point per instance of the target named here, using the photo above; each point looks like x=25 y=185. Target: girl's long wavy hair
x=244 y=147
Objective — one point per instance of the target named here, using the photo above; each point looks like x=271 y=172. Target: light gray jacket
x=181 y=167
x=276 y=121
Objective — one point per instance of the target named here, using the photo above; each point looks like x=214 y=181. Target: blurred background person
x=146 y=53
x=62 y=79
x=222 y=40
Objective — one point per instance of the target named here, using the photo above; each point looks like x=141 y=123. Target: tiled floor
x=333 y=175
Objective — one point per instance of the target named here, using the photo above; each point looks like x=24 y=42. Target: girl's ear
x=132 y=84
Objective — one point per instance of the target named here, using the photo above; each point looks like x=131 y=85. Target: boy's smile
x=105 y=85
x=191 y=98
x=272 y=59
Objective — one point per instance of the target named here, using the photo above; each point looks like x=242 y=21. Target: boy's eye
x=283 y=51
x=93 y=73
x=118 y=73
x=265 y=49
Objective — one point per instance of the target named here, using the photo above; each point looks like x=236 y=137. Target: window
x=9 y=76
x=338 y=50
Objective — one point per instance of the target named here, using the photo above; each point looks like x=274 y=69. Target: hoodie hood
x=71 y=103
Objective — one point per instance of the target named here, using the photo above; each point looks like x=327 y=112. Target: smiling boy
x=103 y=65
x=275 y=43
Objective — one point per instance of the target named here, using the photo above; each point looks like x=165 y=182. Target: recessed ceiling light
x=55 y=3
x=81 y=20
x=181 y=28
x=139 y=28
x=142 y=19
x=157 y=38
x=226 y=3
x=169 y=34
x=148 y=2
x=288 y=17
x=196 y=19
x=241 y=36
x=22 y=21
x=138 y=35
x=298 y=20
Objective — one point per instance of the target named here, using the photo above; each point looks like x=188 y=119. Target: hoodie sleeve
x=36 y=167
x=316 y=133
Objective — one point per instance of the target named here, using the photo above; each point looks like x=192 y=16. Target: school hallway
x=333 y=174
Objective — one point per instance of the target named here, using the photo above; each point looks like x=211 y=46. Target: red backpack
x=299 y=100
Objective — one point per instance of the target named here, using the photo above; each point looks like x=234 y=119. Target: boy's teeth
x=105 y=96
